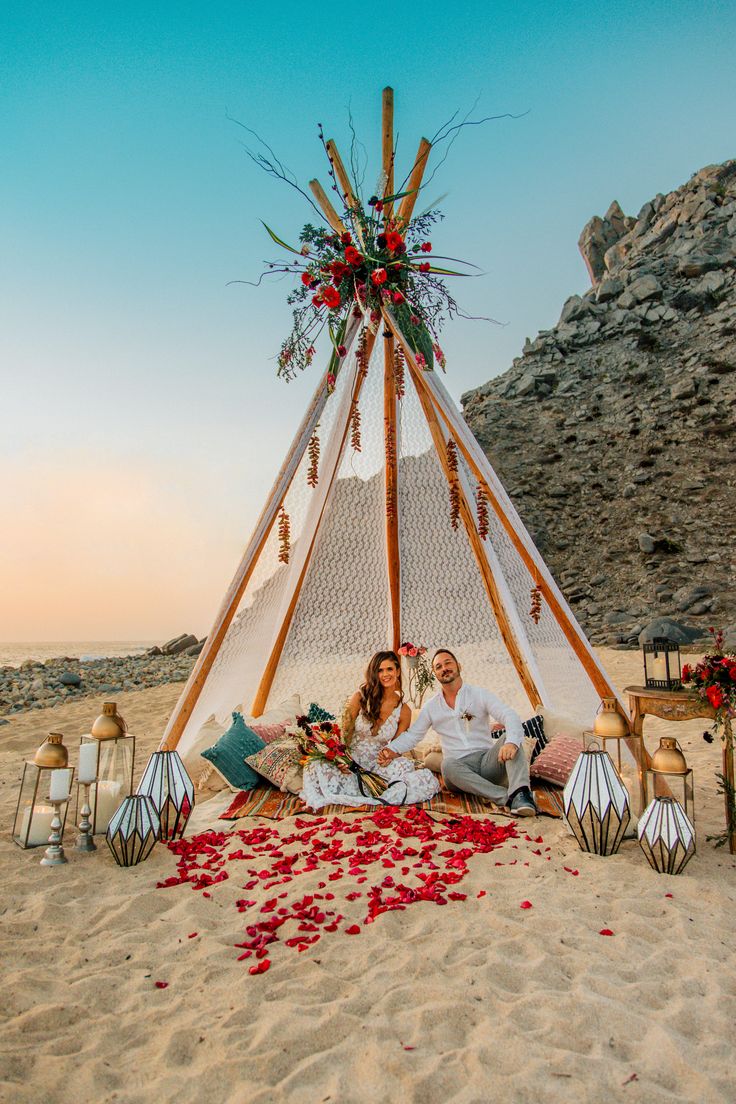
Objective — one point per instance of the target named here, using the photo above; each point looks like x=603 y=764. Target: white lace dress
x=324 y=784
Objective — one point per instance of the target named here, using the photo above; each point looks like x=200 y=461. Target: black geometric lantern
x=662 y=669
x=133 y=830
x=666 y=836
x=167 y=783
x=596 y=803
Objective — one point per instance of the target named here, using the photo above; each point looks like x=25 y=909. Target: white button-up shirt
x=464 y=729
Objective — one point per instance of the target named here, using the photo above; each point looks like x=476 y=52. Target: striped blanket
x=265 y=801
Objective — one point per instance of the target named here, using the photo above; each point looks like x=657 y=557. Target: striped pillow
x=533 y=730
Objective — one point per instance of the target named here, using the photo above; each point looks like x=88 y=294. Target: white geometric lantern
x=596 y=803
x=666 y=835
x=166 y=782
x=133 y=830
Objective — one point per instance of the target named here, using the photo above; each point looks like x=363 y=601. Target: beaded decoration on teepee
x=454 y=489
x=355 y=427
x=481 y=506
x=284 y=536
x=390 y=466
x=313 y=453
x=535 y=609
x=399 y=365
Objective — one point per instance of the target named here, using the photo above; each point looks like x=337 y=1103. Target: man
x=471 y=759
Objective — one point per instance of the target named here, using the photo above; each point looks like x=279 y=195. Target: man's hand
x=508 y=751
x=385 y=756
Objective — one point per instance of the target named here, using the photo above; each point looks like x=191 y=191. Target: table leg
x=728 y=775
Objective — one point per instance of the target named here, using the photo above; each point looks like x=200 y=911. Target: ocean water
x=12 y=654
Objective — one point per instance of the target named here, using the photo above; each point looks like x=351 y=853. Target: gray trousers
x=481 y=773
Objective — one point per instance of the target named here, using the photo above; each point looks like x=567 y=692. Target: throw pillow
x=209 y=734
x=284 y=713
x=229 y=753
x=555 y=762
x=277 y=763
x=269 y=732
x=316 y=713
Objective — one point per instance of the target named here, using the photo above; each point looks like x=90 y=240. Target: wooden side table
x=682 y=705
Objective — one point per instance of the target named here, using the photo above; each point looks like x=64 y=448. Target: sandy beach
x=479 y=1000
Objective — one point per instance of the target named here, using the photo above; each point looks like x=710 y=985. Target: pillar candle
x=59 y=784
x=108 y=797
x=40 y=825
x=88 y=762
x=658 y=669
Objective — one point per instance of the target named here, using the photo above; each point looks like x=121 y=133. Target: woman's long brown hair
x=371 y=692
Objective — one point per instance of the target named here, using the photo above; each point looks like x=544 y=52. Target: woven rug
x=265 y=801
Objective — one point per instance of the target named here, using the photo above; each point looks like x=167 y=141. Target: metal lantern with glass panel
x=666 y=835
x=662 y=670
x=34 y=812
x=133 y=830
x=669 y=775
x=166 y=781
x=596 y=803
x=115 y=760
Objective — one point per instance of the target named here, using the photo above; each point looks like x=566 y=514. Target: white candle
x=659 y=666
x=88 y=762
x=108 y=799
x=59 y=785
x=40 y=825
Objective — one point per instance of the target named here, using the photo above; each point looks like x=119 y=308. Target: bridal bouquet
x=322 y=741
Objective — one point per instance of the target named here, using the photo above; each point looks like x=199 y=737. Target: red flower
x=345 y=238
x=341 y=351
x=414 y=320
x=393 y=240
x=331 y=297
x=352 y=256
x=398 y=296
x=379 y=204
x=421 y=360
x=379 y=276
x=424 y=266
x=317 y=299
x=338 y=270
x=732 y=672
x=331 y=381
x=426 y=247
x=306 y=278
x=686 y=671
x=715 y=696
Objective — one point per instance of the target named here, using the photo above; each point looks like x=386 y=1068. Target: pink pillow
x=555 y=762
x=268 y=732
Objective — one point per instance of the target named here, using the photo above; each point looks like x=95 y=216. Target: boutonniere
x=467 y=717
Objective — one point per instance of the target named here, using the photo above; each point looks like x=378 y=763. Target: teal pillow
x=316 y=714
x=228 y=754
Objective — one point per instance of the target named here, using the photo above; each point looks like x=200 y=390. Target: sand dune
x=476 y=1001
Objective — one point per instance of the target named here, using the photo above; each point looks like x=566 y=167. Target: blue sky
x=137 y=384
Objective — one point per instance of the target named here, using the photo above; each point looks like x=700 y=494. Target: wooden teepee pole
x=329 y=211
x=503 y=620
x=391 y=446
x=269 y=672
x=190 y=694
x=476 y=459
x=415 y=182
x=387 y=147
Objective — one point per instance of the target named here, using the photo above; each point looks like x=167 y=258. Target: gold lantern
x=115 y=762
x=34 y=812
x=609 y=726
x=670 y=774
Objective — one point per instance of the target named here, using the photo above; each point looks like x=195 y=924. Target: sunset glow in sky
x=141 y=421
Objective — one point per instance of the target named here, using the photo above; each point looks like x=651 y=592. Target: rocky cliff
x=614 y=431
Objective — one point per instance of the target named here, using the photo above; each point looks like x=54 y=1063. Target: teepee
x=386 y=523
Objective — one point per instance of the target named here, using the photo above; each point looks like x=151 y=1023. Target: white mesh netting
x=342 y=613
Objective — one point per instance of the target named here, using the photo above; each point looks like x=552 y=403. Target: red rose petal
x=162 y=984
x=668 y=894
x=481 y=893
x=605 y=931
x=526 y=905
x=352 y=930
x=260 y=967
x=193 y=935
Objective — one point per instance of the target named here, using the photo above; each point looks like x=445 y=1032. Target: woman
x=373 y=716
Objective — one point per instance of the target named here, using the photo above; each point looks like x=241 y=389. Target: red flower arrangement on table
x=714 y=681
